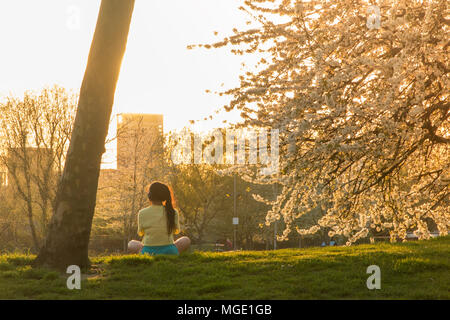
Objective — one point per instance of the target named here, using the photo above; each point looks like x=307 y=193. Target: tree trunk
x=32 y=226
x=69 y=231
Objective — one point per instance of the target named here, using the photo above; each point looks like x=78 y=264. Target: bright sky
x=42 y=44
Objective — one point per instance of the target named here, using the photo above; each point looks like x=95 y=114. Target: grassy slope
x=413 y=270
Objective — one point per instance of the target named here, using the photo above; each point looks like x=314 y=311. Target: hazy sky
x=42 y=44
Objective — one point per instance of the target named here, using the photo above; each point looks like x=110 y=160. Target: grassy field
x=413 y=270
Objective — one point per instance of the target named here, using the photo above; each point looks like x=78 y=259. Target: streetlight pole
x=275 y=225
x=275 y=236
x=234 y=206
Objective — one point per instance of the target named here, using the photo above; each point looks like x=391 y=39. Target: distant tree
x=251 y=214
x=201 y=195
x=10 y=223
x=362 y=109
x=36 y=131
x=205 y=193
x=68 y=238
x=123 y=192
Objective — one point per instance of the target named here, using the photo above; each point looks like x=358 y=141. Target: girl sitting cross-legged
x=158 y=223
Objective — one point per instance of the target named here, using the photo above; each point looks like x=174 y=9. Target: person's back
x=152 y=224
x=158 y=223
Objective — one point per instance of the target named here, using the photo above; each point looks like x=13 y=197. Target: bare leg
x=182 y=244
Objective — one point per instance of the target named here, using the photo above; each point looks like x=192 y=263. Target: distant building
x=107 y=177
x=138 y=133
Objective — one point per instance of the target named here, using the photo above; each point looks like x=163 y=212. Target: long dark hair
x=158 y=191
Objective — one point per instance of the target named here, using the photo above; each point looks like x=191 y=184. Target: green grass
x=413 y=270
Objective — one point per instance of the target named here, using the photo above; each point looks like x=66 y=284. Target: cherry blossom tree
x=362 y=110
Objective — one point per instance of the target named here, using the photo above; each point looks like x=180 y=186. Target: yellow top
x=152 y=224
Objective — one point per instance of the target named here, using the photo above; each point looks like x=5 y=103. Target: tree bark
x=69 y=231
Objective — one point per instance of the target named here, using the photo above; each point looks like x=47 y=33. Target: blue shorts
x=154 y=250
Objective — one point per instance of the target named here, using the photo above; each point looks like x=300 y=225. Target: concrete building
x=138 y=135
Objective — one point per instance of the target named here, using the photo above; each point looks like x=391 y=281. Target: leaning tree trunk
x=69 y=231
